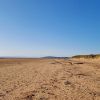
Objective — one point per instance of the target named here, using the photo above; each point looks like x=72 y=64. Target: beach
x=49 y=79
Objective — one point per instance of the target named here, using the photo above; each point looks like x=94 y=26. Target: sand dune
x=49 y=79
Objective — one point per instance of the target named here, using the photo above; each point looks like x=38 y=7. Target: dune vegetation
x=92 y=56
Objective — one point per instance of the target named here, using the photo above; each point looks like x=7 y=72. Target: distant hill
x=53 y=57
x=87 y=56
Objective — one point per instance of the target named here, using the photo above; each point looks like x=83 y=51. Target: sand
x=49 y=79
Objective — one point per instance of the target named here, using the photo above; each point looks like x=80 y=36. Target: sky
x=36 y=28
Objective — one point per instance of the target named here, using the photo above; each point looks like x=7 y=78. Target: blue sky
x=34 y=28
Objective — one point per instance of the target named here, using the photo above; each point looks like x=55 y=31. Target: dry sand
x=49 y=79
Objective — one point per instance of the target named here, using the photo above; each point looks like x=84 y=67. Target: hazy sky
x=36 y=28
